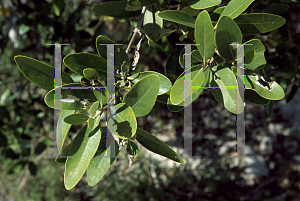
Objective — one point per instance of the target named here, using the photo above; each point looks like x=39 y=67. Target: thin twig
x=137 y=29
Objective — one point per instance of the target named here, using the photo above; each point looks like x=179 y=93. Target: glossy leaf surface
x=227 y=32
x=79 y=93
x=165 y=83
x=258 y=60
x=76 y=118
x=132 y=148
x=235 y=7
x=202 y=4
x=77 y=62
x=204 y=35
x=256 y=23
x=119 y=54
x=39 y=73
x=94 y=108
x=100 y=164
x=153 y=24
x=124 y=125
x=224 y=79
x=65 y=127
x=142 y=96
x=157 y=146
x=268 y=90
x=178 y=17
x=252 y=96
x=81 y=152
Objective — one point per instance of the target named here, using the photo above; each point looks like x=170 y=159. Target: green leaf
x=101 y=95
x=258 y=60
x=196 y=57
x=65 y=127
x=235 y=7
x=219 y=60
x=173 y=69
x=58 y=7
x=204 y=35
x=155 y=145
x=81 y=152
x=268 y=90
x=133 y=5
x=249 y=56
x=39 y=73
x=277 y=8
x=202 y=4
x=256 y=23
x=76 y=118
x=165 y=83
x=215 y=15
x=100 y=164
x=252 y=96
x=178 y=17
x=61 y=158
x=177 y=91
x=190 y=11
x=90 y=73
x=17 y=167
x=76 y=105
x=125 y=68
x=132 y=148
x=142 y=96
x=114 y=9
x=91 y=122
x=124 y=125
x=227 y=32
x=77 y=62
x=153 y=24
x=224 y=79
x=163 y=44
x=94 y=108
x=119 y=54
x=84 y=81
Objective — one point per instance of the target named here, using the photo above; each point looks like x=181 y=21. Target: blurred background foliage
x=26 y=123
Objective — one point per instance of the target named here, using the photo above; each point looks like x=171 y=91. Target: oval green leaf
x=204 y=35
x=142 y=96
x=252 y=96
x=114 y=9
x=165 y=83
x=91 y=122
x=77 y=62
x=177 y=91
x=94 y=108
x=79 y=93
x=153 y=24
x=225 y=92
x=39 y=73
x=77 y=118
x=81 y=152
x=157 y=146
x=119 y=54
x=178 y=17
x=62 y=157
x=90 y=73
x=268 y=90
x=65 y=127
x=227 y=32
x=124 y=125
x=100 y=164
x=256 y=23
x=235 y=7
x=258 y=60
x=101 y=95
x=202 y=4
